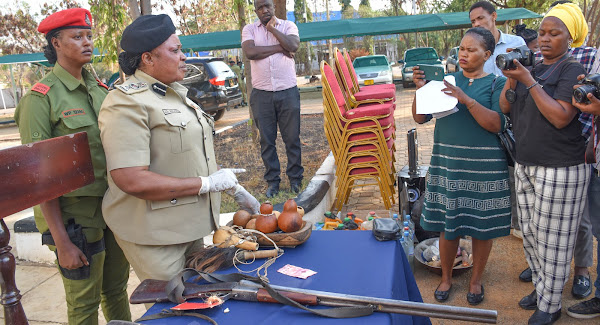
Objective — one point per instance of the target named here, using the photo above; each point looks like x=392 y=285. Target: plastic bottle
x=372 y=214
x=368 y=225
x=406 y=227
x=395 y=217
x=411 y=224
x=404 y=246
x=411 y=251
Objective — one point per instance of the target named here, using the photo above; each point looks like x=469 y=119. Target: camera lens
x=580 y=94
x=501 y=62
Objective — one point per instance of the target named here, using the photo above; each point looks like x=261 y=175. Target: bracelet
x=472 y=104
x=534 y=84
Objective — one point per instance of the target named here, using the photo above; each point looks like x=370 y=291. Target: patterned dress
x=467 y=185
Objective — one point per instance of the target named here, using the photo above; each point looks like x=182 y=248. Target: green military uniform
x=238 y=72
x=144 y=122
x=59 y=105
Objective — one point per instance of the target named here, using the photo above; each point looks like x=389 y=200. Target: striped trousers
x=550 y=203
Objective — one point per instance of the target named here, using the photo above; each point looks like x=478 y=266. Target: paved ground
x=43 y=297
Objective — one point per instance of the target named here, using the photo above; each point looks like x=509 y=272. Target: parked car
x=373 y=69
x=452 y=64
x=416 y=56
x=212 y=85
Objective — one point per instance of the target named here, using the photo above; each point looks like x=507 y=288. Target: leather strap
x=175 y=287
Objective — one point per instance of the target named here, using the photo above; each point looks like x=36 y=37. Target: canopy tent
x=358 y=27
x=321 y=30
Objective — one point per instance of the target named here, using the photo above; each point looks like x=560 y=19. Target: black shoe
x=295 y=187
x=272 y=190
x=475 y=298
x=442 y=296
x=529 y=302
x=526 y=275
x=543 y=318
x=585 y=310
x=582 y=287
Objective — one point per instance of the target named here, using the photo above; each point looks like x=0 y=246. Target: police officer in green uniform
x=67 y=101
x=163 y=184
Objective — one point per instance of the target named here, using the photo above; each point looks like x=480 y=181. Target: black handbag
x=507 y=138
x=386 y=229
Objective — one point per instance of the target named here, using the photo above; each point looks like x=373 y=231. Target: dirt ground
x=503 y=290
x=234 y=148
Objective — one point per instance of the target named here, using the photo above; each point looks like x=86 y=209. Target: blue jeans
x=594 y=204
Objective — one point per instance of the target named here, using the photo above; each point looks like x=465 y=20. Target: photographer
x=591 y=104
x=551 y=176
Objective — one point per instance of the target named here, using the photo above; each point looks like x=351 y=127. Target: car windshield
x=370 y=61
x=420 y=54
x=219 y=67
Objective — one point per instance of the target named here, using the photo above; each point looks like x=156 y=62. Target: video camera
x=522 y=53
x=590 y=85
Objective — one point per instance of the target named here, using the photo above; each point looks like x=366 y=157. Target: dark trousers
x=270 y=109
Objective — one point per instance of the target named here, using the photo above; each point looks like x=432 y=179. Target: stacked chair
x=353 y=95
x=361 y=136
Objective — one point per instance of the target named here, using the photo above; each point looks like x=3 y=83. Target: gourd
x=241 y=218
x=266 y=208
x=290 y=220
x=266 y=223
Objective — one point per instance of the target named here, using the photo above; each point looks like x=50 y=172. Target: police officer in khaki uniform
x=67 y=101
x=163 y=184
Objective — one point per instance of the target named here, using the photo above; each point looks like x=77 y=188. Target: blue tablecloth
x=350 y=262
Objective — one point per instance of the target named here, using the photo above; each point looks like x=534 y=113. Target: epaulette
x=132 y=88
x=42 y=88
x=101 y=84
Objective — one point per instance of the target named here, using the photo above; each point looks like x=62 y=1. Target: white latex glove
x=244 y=199
x=218 y=181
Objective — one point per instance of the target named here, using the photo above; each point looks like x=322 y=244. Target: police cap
x=68 y=18
x=147 y=33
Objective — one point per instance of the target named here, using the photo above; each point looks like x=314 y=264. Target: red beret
x=69 y=18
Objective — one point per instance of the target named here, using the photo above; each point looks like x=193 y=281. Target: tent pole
x=12 y=79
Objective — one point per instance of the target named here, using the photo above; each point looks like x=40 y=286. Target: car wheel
x=405 y=84
x=218 y=114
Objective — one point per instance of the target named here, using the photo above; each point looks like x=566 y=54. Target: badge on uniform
x=170 y=111
x=159 y=88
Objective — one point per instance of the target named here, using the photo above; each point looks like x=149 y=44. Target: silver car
x=452 y=61
x=373 y=69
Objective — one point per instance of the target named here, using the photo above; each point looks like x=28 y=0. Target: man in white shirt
x=483 y=14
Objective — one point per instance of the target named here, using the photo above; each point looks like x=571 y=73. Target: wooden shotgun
x=152 y=291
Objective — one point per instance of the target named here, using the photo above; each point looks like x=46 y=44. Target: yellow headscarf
x=573 y=18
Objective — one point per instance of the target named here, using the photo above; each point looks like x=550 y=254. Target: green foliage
x=110 y=21
x=299 y=6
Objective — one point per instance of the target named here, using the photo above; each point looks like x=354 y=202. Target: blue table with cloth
x=349 y=262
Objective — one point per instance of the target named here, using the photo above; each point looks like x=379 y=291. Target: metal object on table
x=411 y=178
x=155 y=291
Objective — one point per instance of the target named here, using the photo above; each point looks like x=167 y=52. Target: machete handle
x=263 y=296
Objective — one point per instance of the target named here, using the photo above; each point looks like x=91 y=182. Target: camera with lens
x=522 y=53
x=590 y=85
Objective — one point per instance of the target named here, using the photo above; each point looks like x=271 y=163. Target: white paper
x=445 y=113
x=431 y=99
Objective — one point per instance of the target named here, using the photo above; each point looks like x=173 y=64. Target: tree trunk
x=134 y=9
x=280 y=11
x=241 y=9
x=146 y=7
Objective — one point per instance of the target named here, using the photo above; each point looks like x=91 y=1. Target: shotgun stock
x=152 y=291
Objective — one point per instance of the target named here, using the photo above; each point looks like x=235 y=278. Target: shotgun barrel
x=390 y=305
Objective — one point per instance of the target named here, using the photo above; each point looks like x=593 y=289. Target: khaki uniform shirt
x=59 y=105
x=146 y=123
